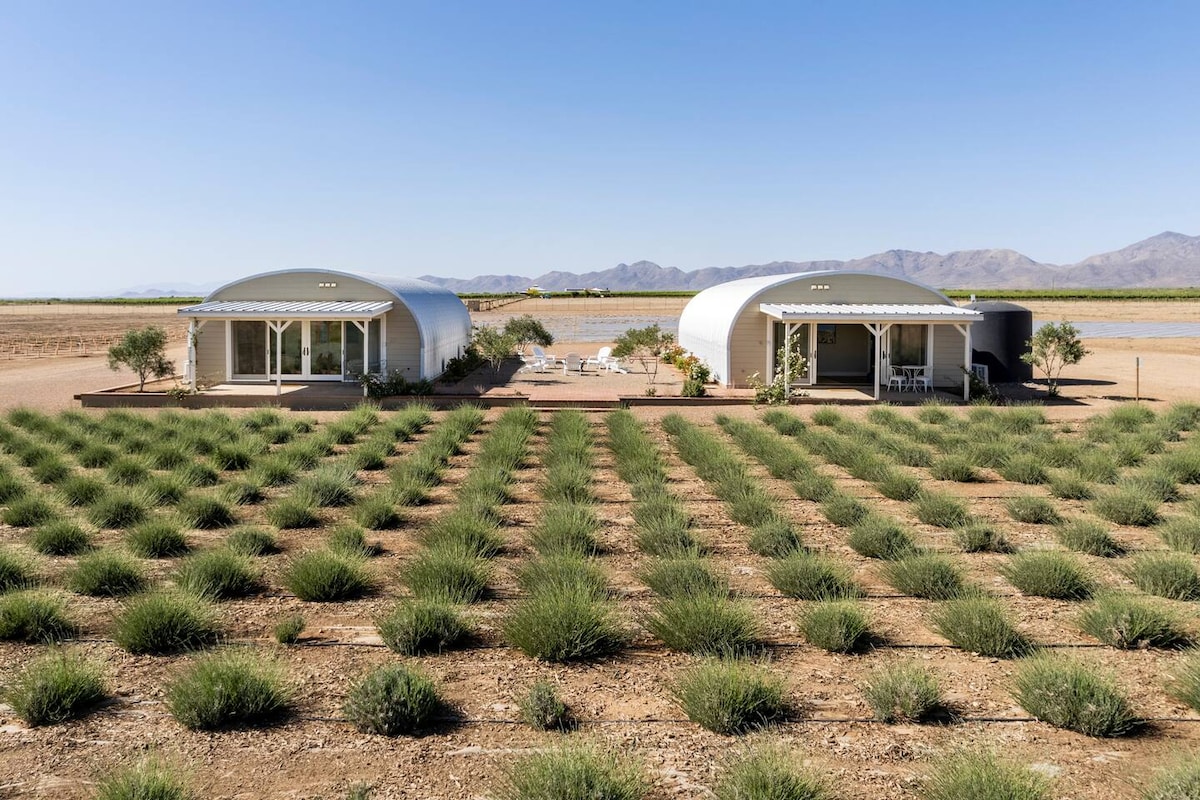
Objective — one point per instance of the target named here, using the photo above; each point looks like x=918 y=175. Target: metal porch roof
x=288 y=309
x=869 y=312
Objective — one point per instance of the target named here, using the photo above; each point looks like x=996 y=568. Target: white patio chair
x=921 y=380
x=897 y=379
x=572 y=362
x=601 y=358
x=547 y=360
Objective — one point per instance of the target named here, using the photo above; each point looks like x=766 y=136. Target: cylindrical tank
x=1000 y=339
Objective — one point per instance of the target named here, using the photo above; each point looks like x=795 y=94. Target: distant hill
x=1168 y=260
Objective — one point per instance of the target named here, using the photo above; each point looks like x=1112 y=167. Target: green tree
x=145 y=352
x=644 y=346
x=1053 y=347
x=493 y=344
x=527 y=330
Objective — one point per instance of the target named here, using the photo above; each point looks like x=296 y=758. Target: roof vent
x=327 y=285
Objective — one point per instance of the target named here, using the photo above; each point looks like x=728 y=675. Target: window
x=908 y=345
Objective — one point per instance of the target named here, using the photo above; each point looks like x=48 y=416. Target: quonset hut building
x=852 y=328
x=323 y=325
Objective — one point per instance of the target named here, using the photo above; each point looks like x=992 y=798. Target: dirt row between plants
x=624 y=702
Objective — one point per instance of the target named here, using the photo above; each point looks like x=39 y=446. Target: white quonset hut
x=323 y=325
x=852 y=327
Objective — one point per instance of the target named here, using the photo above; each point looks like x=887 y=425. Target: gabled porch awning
x=869 y=312
x=288 y=309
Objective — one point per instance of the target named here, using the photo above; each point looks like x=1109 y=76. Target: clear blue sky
x=160 y=142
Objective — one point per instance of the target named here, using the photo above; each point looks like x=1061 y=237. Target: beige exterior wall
x=210 y=352
x=748 y=340
x=947 y=357
x=403 y=342
x=302 y=286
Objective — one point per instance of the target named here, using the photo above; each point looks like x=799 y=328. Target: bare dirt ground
x=624 y=702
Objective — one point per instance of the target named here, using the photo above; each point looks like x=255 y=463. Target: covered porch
x=929 y=345
x=273 y=342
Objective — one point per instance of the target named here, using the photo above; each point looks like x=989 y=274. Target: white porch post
x=874 y=329
x=812 y=354
x=966 y=331
x=278 y=326
x=787 y=357
x=769 y=367
x=190 y=369
x=366 y=329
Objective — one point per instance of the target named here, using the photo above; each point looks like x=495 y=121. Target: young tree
x=527 y=330
x=493 y=344
x=143 y=351
x=1053 y=347
x=643 y=345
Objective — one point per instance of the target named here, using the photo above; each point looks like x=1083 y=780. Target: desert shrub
x=108 y=573
x=728 y=696
x=55 y=688
x=1128 y=623
x=981 y=537
x=453 y=575
x=899 y=486
x=902 y=692
x=980 y=625
x=566 y=529
x=1047 y=573
x=1181 y=534
x=51 y=469
x=1066 y=487
x=1180 y=781
x=229 y=689
x=705 y=625
x=96 y=456
x=1068 y=694
x=236 y=456
x=60 y=538
x=419 y=626
x=322 y=576
x=170 y=454
x=1086 y=536
x=147 y=780
x=543 y=710
x=463 y=530
x=163 y=623
x=291 y=513
x=34 y=617
x=775 y=538
x=1170 y=575
x=769 y=774
x=28 y=512
x=245 y=492
x=163 y=490
x=219 y=574
x=351 y=540
x=274 y=470
x=249 y=540
x=127 y=472
x=839 y=626
x=558 y=573
x=1032 y=510
x=566 y=624
x=663 y=526
x=844 y=509
x=205 y=513
x=157 y=539
x=328 y=487
x=926 y=575
x=982 y=776
x=1153 y=483
x=118 y=509
x=16 y=571
x=1183 y=466
x=994 y=453
x=377 y=512
x=1184 y=684
x=941 y=510
x=877 y=536
x=1025 y=468
x=288 y=629
x=814 y=487
x=1125 y=506
x=952 y=467
x=807 y=576
x=575 y=773
x=1096 y=466
x=393 y=700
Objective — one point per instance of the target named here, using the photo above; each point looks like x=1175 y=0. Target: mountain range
x=1168 y=260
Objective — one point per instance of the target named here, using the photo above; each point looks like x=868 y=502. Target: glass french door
x=307 y=350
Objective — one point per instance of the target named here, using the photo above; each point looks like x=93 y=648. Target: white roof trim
x=866 y=312
x=288 y=309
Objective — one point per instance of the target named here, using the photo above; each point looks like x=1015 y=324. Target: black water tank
x=1000 y=339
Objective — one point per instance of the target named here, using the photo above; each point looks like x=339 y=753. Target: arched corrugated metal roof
x=443 y=322
x=707 y=321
